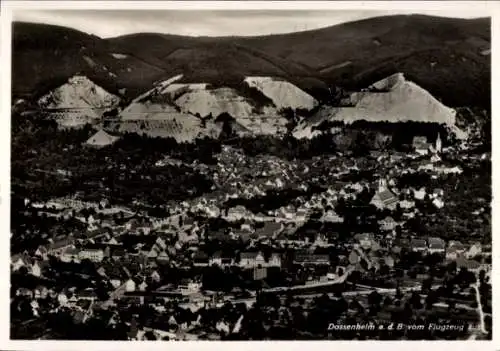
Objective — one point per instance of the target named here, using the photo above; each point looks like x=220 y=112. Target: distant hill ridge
x=448 y=57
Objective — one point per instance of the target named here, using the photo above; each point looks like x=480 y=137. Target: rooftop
x=418 y=243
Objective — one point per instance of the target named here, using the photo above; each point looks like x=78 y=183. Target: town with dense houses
x=203 y=270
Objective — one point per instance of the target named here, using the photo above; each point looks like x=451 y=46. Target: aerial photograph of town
x=250 y=175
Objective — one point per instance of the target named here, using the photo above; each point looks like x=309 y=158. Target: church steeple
x=438 y=143
x=382 y=184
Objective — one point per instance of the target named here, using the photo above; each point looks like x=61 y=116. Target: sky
x=112 y=23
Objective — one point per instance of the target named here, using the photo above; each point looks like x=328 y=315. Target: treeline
x=359 y=137
x=401 y=134
x=49 y=162
x=201 y=149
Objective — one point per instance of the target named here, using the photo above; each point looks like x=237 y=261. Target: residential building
x=406 y=204
x=115 y=282
x=421 y=145
x=274 y=260
x=118 y=254
x=20 y=260
x=57 y=248
x=96 y=233
x=41 y=292
x=474 y=250
x=384 y=198
x=418 y=245
x=471 y=265
x=187 y=288
x=62 y=299
x=365 y=240
x=389 y=261
x=388 y=223
x=87 y=294
x=252 y=259
x=438 y=203
x=436 y=245
x=130 y=285
x=155 y=276
x=101 y=139
x=143 y=286
x=419 y=194
x=259 y=273
x=70 y=254
x=38 y=267
x=42 y=252
x=221 y=259
x=452 y=253
x=95 y=255
x=113 y=242
x=268 y=230
x=200 y=259
x=332 y=217
x=236 y=213
x=354 y=257
x=455 y=249
x=163 y=257
x=311 y=259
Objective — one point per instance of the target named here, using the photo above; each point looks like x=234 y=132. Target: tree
x=149 y=335
x=430 y=299
x=412 y=274
x=361 y=144
x=374 y=299
x=426 y=285
x=382 y=141
x=388 y=301
x=398 y=231
x=355 y=305
x=399 y=294
x=482 y=275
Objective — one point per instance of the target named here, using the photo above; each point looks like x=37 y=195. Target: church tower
x=438 y=143
x=382 y=185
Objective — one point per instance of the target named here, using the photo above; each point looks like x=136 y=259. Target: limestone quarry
x=197 y=106
x=182 y=130
x=77 y=102
x=393 y=99
x=214 y=102
x=283 y=94
x=186 y=111
x=160 y=119
x=80 y=93
x=154 y=113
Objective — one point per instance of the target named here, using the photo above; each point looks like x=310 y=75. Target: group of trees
x=39 y=149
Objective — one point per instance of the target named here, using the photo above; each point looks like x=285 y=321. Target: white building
x=130 y=286
x=190 y=288
x=62 y=299
x=384 y=198
x=474 y=250
x=101 y=139
x=252 y=259
x=95 y=255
